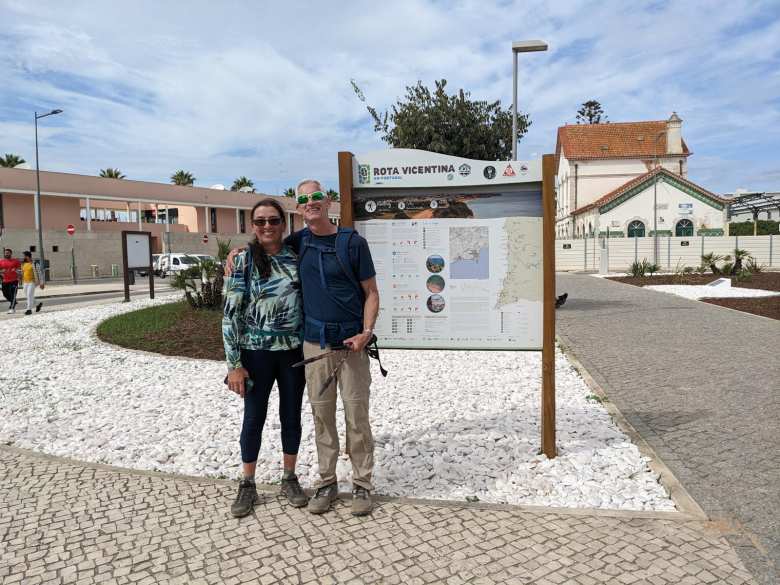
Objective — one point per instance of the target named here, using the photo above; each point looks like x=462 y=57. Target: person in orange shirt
x=31 y=278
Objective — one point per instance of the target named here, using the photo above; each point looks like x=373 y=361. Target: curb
x=676 y=516
x=680 y=496
x=92 y=292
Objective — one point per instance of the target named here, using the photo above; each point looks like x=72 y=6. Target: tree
x=182 y=178
x=333 y=195
x=449 y=124
x=110 y=173
x=11 y=160
x=241 y=182
x=591 y=112
x=289 y=192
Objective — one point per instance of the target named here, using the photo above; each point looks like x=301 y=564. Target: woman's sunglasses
x=316 y=196
x=261 y=221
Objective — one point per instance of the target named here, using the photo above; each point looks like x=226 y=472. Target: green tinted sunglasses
x=316 y=196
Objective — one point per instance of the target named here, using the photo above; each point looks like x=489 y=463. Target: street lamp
x=38 y=224
x=520 y=47
x=655 y=200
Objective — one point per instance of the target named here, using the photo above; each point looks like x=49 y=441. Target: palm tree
x=241 y=182
x=182 y=178
x=289 y=192
x=333 y=195
x=11 y=160
x=110 y=173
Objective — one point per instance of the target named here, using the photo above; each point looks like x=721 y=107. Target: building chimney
x=674 y=134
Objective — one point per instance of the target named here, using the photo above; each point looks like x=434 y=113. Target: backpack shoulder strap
x=343 y=237
x=304 y=243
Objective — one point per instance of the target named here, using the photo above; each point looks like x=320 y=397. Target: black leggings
x=264 y=368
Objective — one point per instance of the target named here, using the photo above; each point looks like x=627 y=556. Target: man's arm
x=370 y=313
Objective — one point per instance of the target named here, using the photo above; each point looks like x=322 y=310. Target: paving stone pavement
x=701 y=384
x=66 y=522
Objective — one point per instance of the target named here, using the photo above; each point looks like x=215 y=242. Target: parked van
x=172 y=263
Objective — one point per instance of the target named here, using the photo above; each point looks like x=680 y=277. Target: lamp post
x=655 y=200
x=520 y=47
x=38 y=224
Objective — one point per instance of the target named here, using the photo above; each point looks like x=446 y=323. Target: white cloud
x=263 y=90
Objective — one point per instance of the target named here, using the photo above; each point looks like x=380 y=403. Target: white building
x=608 y=176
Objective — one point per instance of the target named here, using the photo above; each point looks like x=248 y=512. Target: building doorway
x=636 y=229
x=684 y=228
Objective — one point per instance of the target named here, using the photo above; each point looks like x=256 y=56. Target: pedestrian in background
x=31 y=278
x=10 y=267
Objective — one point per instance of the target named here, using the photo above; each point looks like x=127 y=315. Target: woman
x=31 y=278
x=262 y=327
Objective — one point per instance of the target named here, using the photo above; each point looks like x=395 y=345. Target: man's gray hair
x=306 y=182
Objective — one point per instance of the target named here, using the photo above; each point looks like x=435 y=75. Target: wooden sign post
x=465 y=177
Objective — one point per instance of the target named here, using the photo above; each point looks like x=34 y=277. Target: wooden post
x=548 y=311
x=345 y=188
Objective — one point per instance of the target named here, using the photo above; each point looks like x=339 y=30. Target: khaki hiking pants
x=354 y=379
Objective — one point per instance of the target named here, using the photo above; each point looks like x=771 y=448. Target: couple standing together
x=292 y=298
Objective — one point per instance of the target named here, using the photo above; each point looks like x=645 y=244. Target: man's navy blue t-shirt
x=319 y=303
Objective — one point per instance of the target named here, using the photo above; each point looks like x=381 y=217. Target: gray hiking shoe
x=323 y=498
x=294 y=492
x=362 y=504
x=245 y=500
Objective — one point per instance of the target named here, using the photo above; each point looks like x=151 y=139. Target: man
x=9 y=268
x=340 y=305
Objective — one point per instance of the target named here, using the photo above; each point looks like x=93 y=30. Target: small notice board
x=137 y=254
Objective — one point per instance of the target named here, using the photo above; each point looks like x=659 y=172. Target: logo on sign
x=489 y=172
x=371 y=206
x=464 y=170
x=364 y=174
x=509 y=171
x=523 y=169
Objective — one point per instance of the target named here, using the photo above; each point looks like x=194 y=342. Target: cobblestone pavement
x=701 y=384
x=64 y=522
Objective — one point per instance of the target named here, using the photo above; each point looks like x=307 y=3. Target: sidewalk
x=64 y=289
x=66 y=522
x=700 y=385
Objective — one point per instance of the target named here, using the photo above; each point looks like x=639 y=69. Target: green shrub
x=637 y=268
x=745 y=228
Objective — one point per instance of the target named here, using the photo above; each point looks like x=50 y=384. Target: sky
x=262 y=89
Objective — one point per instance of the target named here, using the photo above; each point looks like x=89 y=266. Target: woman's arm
x=232 y=318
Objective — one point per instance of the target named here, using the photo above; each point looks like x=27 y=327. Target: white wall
x=673 y=253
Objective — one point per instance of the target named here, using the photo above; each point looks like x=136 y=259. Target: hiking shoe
x=323 y=498
x=38 y=307
x=28 y=312
x=245 y=500
x=294 y=492
x=362 y=504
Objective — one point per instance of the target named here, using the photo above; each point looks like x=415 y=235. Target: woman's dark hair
x=28 y=254
x=259 y=256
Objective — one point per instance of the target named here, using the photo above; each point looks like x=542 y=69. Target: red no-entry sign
x=71 y=229
x=205 y=238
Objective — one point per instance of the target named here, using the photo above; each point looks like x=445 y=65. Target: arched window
x=636 y=229
x=683 y=228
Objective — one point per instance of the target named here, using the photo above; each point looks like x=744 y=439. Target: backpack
x=343 y=238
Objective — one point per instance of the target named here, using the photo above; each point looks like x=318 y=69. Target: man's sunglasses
x=261 y=221
x=316 y=196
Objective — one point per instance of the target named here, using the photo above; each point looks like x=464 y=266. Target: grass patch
x=170 y=329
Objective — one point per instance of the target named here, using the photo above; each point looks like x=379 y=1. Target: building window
x=213 y=218
x=684 y=228
x=636 y=229
x=242 y=221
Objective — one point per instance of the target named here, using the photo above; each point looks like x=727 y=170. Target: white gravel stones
x=446 y=424
x=694 y=292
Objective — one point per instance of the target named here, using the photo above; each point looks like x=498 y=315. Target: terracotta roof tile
x=614 y=140
x=614 y=194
